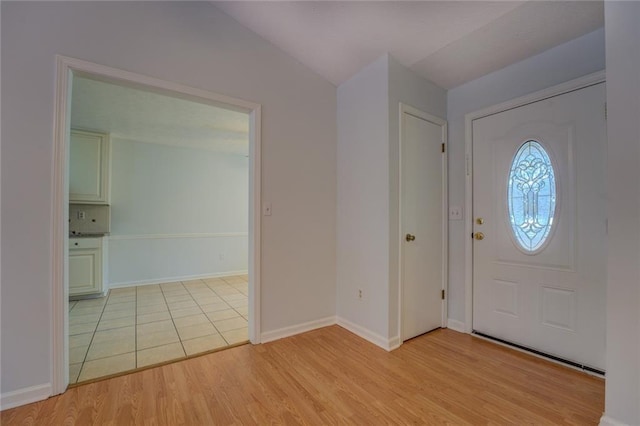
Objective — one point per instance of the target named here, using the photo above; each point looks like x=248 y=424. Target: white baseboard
x=608 y=421
x=394 y=343
x=172 y=279
x=375 y=338
x=25 y=396
x=456 y=325
x=281 y=333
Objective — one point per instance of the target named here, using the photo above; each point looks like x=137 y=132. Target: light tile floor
x=139 y=326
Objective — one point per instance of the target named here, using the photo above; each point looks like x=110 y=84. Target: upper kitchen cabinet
x=89 y=167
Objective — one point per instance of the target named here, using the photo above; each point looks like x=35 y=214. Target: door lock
x=410 y=237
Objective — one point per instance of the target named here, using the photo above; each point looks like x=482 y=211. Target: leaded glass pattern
x=531 y=196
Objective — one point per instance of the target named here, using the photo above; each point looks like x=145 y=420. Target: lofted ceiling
x=145 y=116
x=447 y=42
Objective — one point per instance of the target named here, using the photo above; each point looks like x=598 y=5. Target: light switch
x=266 y=209
x=455 y=213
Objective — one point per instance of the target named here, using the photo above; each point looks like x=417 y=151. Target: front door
x=539 y=253
x=423 y=233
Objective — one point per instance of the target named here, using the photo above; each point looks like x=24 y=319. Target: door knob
x=479 y=236
x=410 y=237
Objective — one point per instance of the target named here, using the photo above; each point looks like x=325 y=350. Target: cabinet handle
x=75 y=244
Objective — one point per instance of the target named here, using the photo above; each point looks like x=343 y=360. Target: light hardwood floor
x=330 y=376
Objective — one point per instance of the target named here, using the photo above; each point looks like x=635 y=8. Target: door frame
x=66 y=67
x=569 y=86
x=408 y=109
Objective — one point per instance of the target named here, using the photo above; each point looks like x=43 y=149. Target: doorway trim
x=66 y=67
x=566 y=87
x=408 y=109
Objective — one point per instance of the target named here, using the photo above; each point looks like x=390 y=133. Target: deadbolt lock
x=410 y=237
x=479 y=221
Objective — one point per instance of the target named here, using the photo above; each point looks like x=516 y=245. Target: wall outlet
x=455 y=213
x=82 y=215
x=221 y=256
x=359 y=294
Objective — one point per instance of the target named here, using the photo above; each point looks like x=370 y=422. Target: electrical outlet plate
x=455 y=213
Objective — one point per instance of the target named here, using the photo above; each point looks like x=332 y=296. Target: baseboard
x=456 y=325
x=375 y=338
x=394 y=343
x=292 y=330
x=25 y=396
x=172 y=279
x=608 y=421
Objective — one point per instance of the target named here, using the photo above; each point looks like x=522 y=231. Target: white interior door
x=539 y=204
x=423 y=201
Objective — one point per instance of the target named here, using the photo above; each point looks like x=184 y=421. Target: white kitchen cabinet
x=89 y=167
x=86 y=261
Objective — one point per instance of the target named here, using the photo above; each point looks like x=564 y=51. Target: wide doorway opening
x=158 y=214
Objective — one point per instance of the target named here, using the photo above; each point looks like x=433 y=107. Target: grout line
x=95 y=330
x=172 y=321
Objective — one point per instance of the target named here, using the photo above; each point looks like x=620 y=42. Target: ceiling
x=145 y=116
x=447 y=42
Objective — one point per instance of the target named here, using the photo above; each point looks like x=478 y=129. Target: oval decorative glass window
x=531 y=196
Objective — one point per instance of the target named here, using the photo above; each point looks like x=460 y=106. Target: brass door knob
x=479 y=236
x=410 y=237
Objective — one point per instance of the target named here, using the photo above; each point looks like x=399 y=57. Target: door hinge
x=443 y=147
x=442 y=294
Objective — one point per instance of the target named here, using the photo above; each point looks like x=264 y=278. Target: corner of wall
x=370 y=336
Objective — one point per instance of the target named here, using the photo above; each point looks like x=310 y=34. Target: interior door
x=422 y=227
x=539 y=253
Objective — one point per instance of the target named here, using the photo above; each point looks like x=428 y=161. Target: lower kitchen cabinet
x=85 y=266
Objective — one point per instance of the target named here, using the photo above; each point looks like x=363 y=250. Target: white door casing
x=423 y=227
x=552 y=299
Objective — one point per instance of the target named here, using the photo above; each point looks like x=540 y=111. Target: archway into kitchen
x=161 y=183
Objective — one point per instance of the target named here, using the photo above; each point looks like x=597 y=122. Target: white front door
x=539 y=207
x=422 y=199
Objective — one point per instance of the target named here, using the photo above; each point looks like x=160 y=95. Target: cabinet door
x=89 y=167
x=85 y=271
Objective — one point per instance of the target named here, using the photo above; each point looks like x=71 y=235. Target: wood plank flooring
x=330 y=376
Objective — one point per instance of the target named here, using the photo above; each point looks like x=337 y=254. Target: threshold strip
x=543 y=354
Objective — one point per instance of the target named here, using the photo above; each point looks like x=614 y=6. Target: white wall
x=570 y=60
x=158 y=191
x=363 y=200
x=623 y=194
x=368 y=178
x=191 y=43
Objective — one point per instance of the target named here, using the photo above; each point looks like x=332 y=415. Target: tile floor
x=139 y=326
